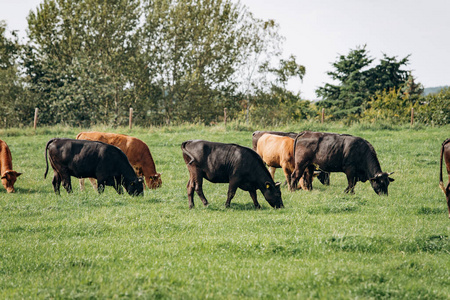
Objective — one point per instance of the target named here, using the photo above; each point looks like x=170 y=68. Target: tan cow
x=277 y=152
x=9 y=176
x=136 y=150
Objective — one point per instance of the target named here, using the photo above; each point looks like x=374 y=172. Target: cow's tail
x=183 y=148
x=441 y=181
x=46 y=160
x=78 y=135
x=295 y=142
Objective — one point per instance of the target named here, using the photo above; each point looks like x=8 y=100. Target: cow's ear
x=267 y=185
x=18 y=174
x=4 y=177
x=391 y=179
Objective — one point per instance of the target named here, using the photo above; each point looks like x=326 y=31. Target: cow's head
x=272 y=193
x=154 y=181
x=323 y=177
x=8 y=180
x=381 y=182
x=136 y=187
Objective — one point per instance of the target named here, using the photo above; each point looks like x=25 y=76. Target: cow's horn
x=389 y=174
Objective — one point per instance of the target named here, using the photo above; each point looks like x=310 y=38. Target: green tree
x=357 y=83
x=273 y=101
x=194 y=49
x=81 y=57
x=11 y=87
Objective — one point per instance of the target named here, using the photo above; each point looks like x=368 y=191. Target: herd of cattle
x=122 y=161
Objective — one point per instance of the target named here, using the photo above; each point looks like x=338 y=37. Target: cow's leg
x=447 y=195
x=232 y=188
x=351 y=179
x=307 y=178
x=199 y=189
x=190 y=191
x=288 y=175
x=67 y=183
x=255 y=200
x=100 y=185
x=81 y=181
x=56 y=182
x=272 y=172
x=118 y=186
x=93 y=183
x=298 y=172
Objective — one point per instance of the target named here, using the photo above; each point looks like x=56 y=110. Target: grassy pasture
x=323 y=244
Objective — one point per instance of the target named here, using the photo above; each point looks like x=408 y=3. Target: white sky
x=317 y=31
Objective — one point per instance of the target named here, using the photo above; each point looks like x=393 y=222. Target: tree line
x=87 y=62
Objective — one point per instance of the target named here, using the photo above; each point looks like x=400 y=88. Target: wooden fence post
x=412 y=116
x=131 y=118
x=35 y=117
x=323 y=114
x=225 y=116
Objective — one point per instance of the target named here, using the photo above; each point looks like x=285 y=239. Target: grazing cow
x=9 y=176
x=239 y=166
x=333 y=152
x=277 y=152
x=306 y=180
x=136 y=150
x=445 y=153
x=89 y=159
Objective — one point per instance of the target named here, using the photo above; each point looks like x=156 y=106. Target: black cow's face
x=381 y=182
x=272 y=193
x=136 y=187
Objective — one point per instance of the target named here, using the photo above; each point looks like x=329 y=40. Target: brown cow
x=277 y=152
x=9 y=176
x=305 y=181
x=445 y=153
x=136 y=150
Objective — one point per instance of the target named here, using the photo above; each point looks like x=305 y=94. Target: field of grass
x=323 y=244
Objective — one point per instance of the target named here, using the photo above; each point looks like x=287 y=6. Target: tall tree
x=357 y=83
x=10 y=84
x=194 y=48
x=80 y=58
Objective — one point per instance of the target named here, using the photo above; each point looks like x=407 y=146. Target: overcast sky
x=317 y=31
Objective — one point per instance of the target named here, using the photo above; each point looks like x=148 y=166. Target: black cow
x=333 y=152
x=324 y=177
x=445 y=154
x=89 y=159
x=239 y=166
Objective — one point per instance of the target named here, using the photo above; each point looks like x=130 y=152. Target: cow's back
x=136 y=150
x=256 y=135
x=275 y=149
x=5 y=157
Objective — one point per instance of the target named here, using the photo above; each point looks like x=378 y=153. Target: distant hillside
x=433 y=90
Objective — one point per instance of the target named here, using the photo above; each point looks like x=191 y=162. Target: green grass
x=323 y=244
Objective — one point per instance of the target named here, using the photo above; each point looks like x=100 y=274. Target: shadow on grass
x=431 y=211
x=233 y=206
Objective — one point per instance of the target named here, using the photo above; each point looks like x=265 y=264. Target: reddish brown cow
x=136 y=150
x=445 y=153
x=9 y=176
x=277 y=152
